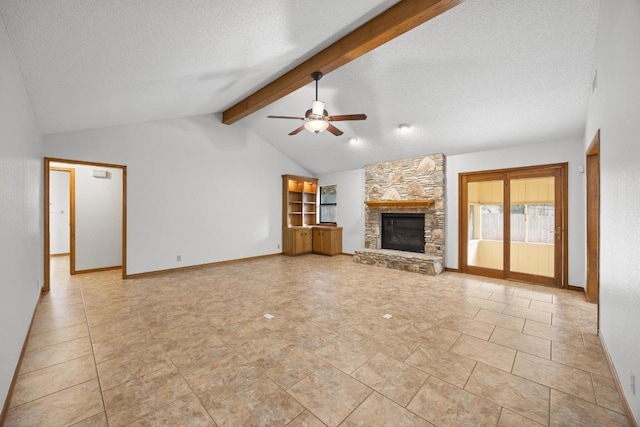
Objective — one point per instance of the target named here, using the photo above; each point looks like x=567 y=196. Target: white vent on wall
x=100 y=173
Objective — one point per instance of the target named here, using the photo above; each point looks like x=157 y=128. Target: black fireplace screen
x=403 y=231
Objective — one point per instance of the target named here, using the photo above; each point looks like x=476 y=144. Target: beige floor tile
x=306 y=419
x=511 y=419
x=544 y=296
x=137 y=398
x=554 y=333
x=492 y=354
x=132 y=365
x=217 y=381
x=318 y=393
x=446 y=405
x=517 y=394
x=197 y=317
x=57 y=353
x=431 y=335
x=486 y=304
x=607 y=394
x=523 y=342
x=555 y=375
x=262 y=403
x=98 y=420
x=123 y=344
x=595 y=362
x=114 y=329
x=570 y=411
x=186 y=411
x=511 y=300
x=56 y=336
x=43 y=382
x=287 y=365
x=345 y=354
x=467 y=326
x=498 y=319
x=393 y=379
x=384 y=412
x=527 y=313
x=444 y=364
x=65 y=407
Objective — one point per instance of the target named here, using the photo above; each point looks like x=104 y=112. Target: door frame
x=561 y=194
x=592 y=290
x=47 y=250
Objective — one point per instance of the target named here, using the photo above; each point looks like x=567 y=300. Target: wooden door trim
x=47 y=250
x=592 y=288
x=506 y=174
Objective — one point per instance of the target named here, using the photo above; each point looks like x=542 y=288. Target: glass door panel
x=485 y=226
x=532 y=226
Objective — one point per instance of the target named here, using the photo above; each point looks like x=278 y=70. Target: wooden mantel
x=399 y=204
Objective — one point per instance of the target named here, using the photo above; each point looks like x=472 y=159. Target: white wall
x=614 y=108
x=195 y=188
x=571 y=151
x=350 y=200
x=59 y=212
x=21 y=227
x=98 y=216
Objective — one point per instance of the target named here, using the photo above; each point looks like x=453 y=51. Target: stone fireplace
x=413 y=186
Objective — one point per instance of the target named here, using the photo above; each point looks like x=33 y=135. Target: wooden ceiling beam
x=397 y=20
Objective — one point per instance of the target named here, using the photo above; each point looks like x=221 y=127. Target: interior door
x=513 y=224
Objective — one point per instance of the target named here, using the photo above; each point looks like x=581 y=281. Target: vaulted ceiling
x=485 y=74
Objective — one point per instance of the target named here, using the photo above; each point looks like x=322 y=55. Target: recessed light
x=404 y=127
x=353 y=140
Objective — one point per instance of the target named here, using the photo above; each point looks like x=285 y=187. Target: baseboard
x=616 y=379
x=5 y=405
x=95 y=270
x=576 y=288
x=197 y=266
x=452 y=270
x=55 y=255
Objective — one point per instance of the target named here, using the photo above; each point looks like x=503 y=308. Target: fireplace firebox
x=403 y=232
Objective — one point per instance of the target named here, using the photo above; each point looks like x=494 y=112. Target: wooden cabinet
x=298 y=201
x=327 y=240
x=296 y=240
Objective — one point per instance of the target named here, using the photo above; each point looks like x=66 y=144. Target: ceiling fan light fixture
x=316 y=126
x=317 y=108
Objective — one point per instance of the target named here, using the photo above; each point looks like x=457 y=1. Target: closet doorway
x=513 y=224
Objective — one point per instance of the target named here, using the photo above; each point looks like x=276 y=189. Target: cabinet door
x=307 y=239
x=317 y=242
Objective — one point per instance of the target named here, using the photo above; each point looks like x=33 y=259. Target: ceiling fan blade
x=285 y=117
x=348 y=117
x=334 y=130
x=298 y=130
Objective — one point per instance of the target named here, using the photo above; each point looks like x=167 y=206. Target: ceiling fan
x=317 y=119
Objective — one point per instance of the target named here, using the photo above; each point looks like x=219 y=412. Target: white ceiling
x=486 y=74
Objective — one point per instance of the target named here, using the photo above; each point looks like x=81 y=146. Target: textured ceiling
x=486 y=74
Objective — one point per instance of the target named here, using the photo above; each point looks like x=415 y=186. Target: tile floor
x=194 y=348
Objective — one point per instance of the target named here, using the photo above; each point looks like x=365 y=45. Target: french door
x=513 y=224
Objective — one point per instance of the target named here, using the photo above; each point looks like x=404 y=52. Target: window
x=328 y=204
x=532 y=223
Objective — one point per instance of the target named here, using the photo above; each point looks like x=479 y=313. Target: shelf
x=399 y=204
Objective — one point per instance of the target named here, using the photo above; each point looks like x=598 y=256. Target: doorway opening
x=513 y=224
x=96 y=218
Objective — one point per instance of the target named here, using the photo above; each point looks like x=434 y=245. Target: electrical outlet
x=633 y=383
x=179 y=258
x=278 y=247
x=38 y=287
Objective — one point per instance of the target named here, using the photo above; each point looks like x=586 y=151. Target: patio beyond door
x=513 y=224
